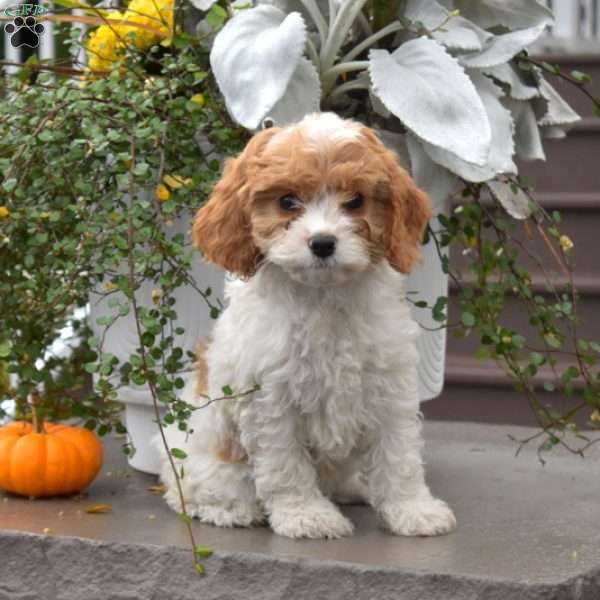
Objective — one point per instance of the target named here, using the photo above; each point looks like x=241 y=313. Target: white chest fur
x=324 y=353
x=325 y=362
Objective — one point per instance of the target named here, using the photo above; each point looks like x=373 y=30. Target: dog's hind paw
x=419 y=517
x=317 y=519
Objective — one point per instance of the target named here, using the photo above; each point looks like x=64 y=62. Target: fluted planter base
x=429 y=282
x=121 y=339
x=142 y=429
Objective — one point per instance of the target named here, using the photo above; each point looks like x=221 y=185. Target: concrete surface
x=526 y=531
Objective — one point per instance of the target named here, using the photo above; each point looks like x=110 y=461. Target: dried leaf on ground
x=96 y=509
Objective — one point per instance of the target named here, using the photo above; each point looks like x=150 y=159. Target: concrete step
x=525 y=532
x=580 y=211
x=516 y=317
x=587 y=63
x=487 y=372
x=569 y=162
x=482 y=391
x=493 y=401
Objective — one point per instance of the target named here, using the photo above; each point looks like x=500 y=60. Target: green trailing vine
x=105 y=166
x=550 y=355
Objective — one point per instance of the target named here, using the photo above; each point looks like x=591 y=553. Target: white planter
x=429 y=282
x=122 y=340
x=140 y=420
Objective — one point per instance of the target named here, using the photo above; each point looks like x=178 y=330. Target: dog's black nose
x=322 y=245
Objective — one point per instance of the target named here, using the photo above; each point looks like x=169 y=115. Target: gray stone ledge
x=38 y=567
x=526 y=532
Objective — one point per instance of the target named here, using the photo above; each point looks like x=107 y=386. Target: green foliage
x=549 y=355
x=102 y=168
x=177 y=453
x=203 y=551
x=216 y=16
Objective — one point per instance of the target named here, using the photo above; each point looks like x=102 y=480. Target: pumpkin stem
x=36 y=419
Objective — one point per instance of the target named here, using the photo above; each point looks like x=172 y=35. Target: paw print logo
x=24 y=32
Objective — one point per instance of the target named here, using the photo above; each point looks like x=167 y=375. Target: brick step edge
x=565 y=201
x=586 y=286
x=468 y=370
x=568 y=201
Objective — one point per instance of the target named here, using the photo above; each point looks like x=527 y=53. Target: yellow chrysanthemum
x=157 y=14
x=105 y=45
x=4 y=212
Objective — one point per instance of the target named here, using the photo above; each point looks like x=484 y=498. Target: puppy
x=320 y=224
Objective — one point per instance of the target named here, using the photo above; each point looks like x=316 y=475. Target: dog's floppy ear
x=410 y=214
x=222 y=229
x=409 y=206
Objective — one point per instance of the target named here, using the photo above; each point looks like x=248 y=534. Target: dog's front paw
x=426 y=516
x=316 y=519
x=235 y=514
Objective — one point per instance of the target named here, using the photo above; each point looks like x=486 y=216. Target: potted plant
x=134 y=140
x=447 y=83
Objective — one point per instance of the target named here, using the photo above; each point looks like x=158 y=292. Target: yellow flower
x=198 y=99
x=565 y=243
x=156 y=295
x=4 y=212
x=162 y=193
x=595 y=416
x=109 y=286
x=157 y=14
x=176 y=181
x=105 y=45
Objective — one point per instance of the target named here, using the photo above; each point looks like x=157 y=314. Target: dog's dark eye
x=355 y=203
x=289 y=203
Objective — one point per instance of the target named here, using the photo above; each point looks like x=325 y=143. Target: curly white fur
x=338 y=400
x=332 y=347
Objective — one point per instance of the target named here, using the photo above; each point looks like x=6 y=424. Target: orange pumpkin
x=61 y=460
